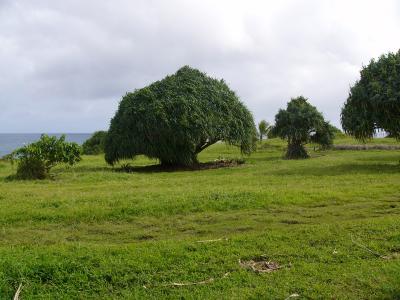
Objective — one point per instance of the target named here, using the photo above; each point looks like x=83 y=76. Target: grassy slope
x=93 y=232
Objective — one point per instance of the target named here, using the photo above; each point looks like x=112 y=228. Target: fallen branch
x=179 y=284
x=293 y=296
x=367 y=249
x=189 y=283
x=16 y=296
x=211 y=241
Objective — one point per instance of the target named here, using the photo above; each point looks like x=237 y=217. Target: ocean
x=11 y=141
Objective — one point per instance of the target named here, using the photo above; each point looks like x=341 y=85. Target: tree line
x=176 y=118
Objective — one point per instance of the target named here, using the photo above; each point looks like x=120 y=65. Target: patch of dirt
x=260 y=265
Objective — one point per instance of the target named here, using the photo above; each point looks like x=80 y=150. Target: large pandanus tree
x=374 y=101
x=176 y=118
x=301 y=123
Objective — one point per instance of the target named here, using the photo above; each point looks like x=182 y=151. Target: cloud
x=66 y=64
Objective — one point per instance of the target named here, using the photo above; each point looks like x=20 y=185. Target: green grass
x=91 y=232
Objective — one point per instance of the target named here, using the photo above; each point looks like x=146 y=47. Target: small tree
x=324 y=136
x=176 y=118
x=374 y=100
x=301 y=123
x=263 y=129
x=95 y=144
x=36 y=159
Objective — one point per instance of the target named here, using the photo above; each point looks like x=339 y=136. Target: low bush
x=95 y=144
x=31 y=168
x=36 y=159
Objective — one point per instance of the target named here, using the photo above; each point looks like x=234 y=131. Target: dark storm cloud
x=64 y=65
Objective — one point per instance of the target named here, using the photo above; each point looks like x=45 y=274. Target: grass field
x=332 y=222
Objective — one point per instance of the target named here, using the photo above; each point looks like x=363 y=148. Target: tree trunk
x=296 y=150
x=179 y=164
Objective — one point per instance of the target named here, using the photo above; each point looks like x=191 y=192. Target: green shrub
x=95 y=144
x=324 y=136
x=31 y=168
x=36 y=159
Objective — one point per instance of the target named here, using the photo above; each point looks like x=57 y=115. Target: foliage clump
x=95 y=144
x=301 y=123
x=36 y=159
x=176 y=118
x=374 y=100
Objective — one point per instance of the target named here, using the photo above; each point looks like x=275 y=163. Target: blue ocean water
x=12 y=141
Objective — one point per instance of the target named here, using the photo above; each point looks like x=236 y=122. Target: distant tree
x=335 y=130
x=301 y=123
x=176 y=118
x=95 y=144
x=374 y=101
x=263 y=128
x=272 y=133
x=36 y=159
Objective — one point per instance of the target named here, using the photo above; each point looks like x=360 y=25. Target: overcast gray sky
x=64 y=65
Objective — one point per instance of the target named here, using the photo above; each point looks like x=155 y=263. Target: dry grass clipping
x=260 y=265
x=16 y=296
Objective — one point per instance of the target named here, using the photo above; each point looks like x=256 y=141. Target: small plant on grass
x=301 y=123
x=95 y=144
x=36 y=159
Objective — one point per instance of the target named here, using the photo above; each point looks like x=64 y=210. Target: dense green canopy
x=176 y=118
x=301 y=123
x=374 y=101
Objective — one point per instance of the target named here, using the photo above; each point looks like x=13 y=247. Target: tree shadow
x=162 y=168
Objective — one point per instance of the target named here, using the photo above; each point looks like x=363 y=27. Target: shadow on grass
x=343 y=169
x=160 y=168
x=379 y=158
x=12 y=177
